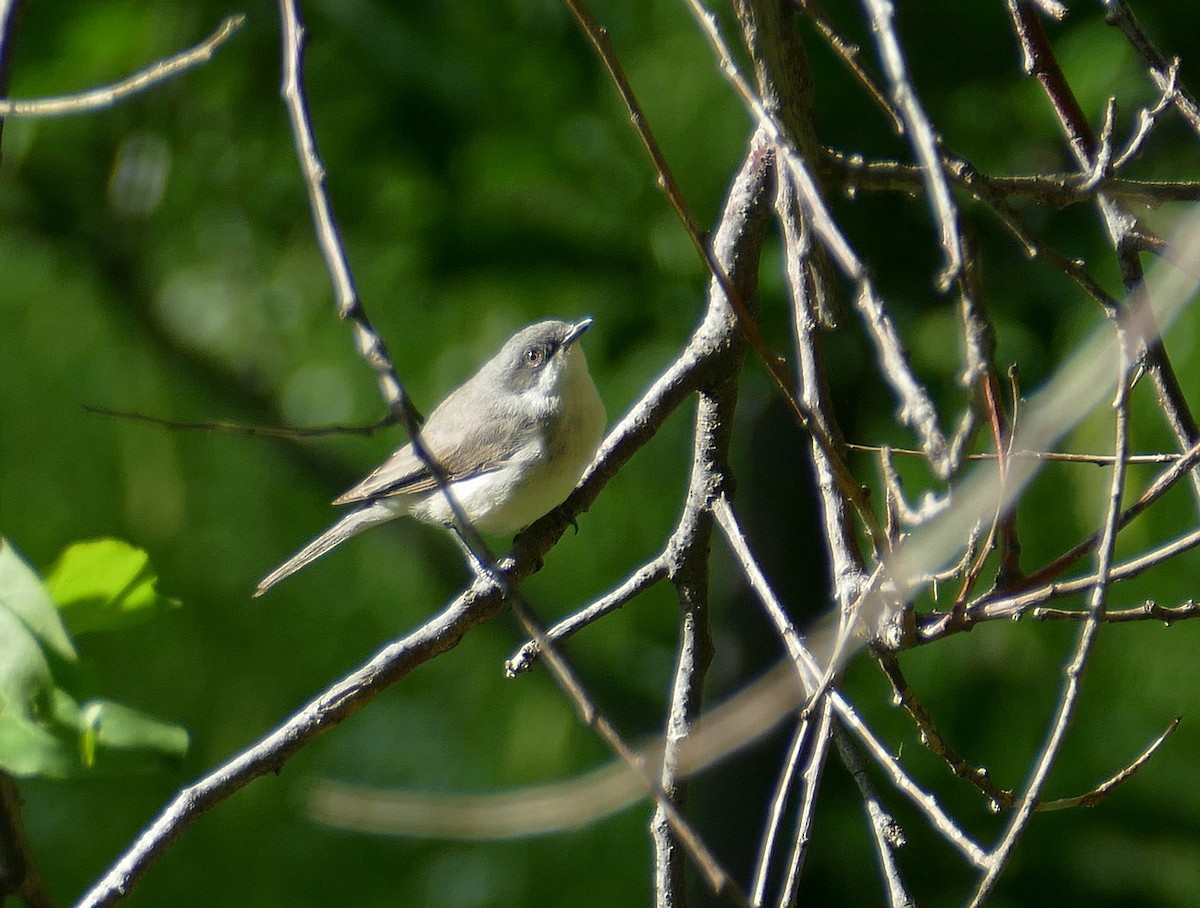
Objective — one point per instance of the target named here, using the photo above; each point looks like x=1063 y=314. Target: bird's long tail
x=354 y=522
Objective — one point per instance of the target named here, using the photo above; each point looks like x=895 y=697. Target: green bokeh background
x=159 y=257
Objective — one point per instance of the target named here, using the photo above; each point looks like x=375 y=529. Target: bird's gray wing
x=463 y=447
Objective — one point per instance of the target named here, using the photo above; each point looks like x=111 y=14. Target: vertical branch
x=10 y=20
x=779 y=801
x=1073 y=674
x=885 y=831
x=690 y=575
x=746 y=322
x=916 y=407
x=840 y=539
x=921 y=134
x=1039 y=61
x=737 y=245
x=810 y=784
x=18 y=874
x=784 y=79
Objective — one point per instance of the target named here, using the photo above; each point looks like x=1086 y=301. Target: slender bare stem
x=1074 y=670
x=101 y=98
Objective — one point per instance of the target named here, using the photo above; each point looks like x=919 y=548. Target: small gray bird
x=512 y=442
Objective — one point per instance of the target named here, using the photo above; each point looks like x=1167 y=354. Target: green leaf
x=30 y=748
x=43 y=731
x=23 y=595
x=105 y=584
x=26 y=694
x=107 y=726
x=29 y=626
x=98 y=738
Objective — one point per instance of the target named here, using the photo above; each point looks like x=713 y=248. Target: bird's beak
x=576 y=330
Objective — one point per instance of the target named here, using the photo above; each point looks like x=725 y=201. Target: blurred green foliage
x=159 y=257
x=45 y=731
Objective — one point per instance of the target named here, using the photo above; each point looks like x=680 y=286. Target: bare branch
x=921 y=134
x=441 y=632
x=1181 y=466
x=933 y=739
x=810 y=671
x=1148 y=119
x=367 y=341
x=1104 y=789
x=1073 y=674
x=917 y=410
x=1147 y=611
x=747 y=324
x=1096 y=460
x=234 y=428
x=1057 y=190
x=810 y=780
x=643 y=578
x=1041 y=63
x=1120 y=16
x=101 y=98
x=777 y=810
x=689 y=567
x=885 y=831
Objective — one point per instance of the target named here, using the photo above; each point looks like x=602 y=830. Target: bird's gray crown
x=529 y=352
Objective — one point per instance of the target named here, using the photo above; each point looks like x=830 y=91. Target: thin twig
x=810 y=671
x=234 y=428
x=599 y=39
x=777 y=811
x=934 y=740
x=1107 y=787
x=1057 y=190
x=1040 y=62
x=814 y=766
x=885 y=831
x=807 y=275
x=1147 y=611
x=1073 y=673
x=934 y=626
x=366 y=339
x=921 y=799
x=643 y=578
x=1148 y=119
x=101 y=98
x=921 y=135
x=1098 y=460
x=1120 y=15
x=1181 y=466
x=718 y=880
x=916 y=407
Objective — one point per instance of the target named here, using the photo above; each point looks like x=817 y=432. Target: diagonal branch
x=1073 y=674
x=1040 y=62
x=1119 y=14
x=107 y=96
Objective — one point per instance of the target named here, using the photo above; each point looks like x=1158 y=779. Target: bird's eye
x=533 y=356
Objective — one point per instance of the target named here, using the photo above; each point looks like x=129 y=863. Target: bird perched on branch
x=511 y=443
